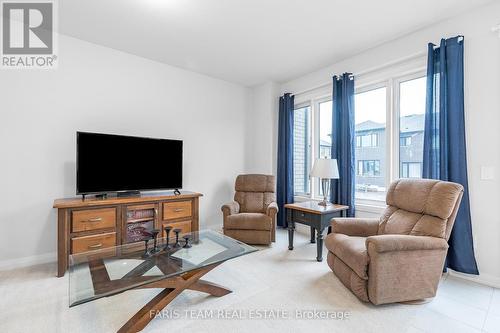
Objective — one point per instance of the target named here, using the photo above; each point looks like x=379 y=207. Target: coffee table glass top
x=110 y=271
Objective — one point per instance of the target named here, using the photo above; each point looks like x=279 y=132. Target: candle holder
x=177 y=231
x=167 y=240
x=186 y=239
x=154 y=236
x=146 y=253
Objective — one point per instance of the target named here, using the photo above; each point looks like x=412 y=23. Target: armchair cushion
x=231 y=208
x=254 y=193
x=248 y=221
x=351 y=250
x=390 y=243
x=401 y=222
x=430 y=226
x=363 y=227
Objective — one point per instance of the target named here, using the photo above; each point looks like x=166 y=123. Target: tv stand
x=177 y=192
x=107 y=221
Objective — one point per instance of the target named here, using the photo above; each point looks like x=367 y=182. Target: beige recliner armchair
x=400 y=256
x=251 y=217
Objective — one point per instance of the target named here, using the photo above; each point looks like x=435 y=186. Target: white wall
x=261 y=129
x=103 y=90
x=482 y=66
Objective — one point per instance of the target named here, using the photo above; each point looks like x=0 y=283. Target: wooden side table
x=315 y=216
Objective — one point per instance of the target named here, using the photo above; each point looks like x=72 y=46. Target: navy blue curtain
x=284 y=190
x=444 y=141
x=342 y=189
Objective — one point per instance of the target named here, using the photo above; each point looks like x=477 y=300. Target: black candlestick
x=146 y=254
x=186 y=239
x=177 y=231
x=167 y=231
x=154 y=235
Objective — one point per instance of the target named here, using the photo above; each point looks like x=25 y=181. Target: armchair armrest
x=391 y=243
x=272 y=209
x=362 y=227
x=231 y=208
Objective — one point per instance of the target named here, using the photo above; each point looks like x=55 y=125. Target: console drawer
x=93 y=242
x=93 y=219
x=300 y=216
x=176 y=209
x=185 y=226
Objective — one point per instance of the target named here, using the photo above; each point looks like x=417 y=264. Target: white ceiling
x=250 y=41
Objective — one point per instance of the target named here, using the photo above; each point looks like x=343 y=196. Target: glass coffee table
x=111 y=271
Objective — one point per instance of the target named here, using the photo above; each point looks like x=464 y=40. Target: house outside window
x=301 y=148
x=370 y=153
x=312 y=140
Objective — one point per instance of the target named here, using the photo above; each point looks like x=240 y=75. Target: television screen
x=115 y=163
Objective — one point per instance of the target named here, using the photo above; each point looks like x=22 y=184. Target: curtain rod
x=367 y=71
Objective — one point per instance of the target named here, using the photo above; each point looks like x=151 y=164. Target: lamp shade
x=325 y=168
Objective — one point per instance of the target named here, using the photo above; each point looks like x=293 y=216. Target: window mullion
x=314 y=142
x=392 y=127
x=396 y=117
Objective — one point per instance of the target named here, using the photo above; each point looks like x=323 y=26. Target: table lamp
x=325 y=169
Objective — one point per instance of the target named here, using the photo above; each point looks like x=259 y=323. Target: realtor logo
x=28 y=35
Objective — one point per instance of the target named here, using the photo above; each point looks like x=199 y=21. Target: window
x=405 y=141
x=367 y=140
x=411 y=127
x=370 y=168
x=325 y=129
x=411 y=170
x=301 y=148
x=325 y=135
x=312 y=139
x=370 y=154
x=389 y=125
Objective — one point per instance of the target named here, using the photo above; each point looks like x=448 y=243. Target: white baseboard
x=28 y=261
x=215 y=227
x=486 y=279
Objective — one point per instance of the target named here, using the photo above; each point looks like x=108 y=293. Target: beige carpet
x=275 y=279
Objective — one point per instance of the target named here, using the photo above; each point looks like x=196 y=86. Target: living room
x=333 y=162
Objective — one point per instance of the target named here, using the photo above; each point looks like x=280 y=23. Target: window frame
x=313 y=101
x=388 y=76
x=391 y=80
x=297 y=107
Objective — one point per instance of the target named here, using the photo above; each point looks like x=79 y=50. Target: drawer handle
x=94 y=219
x=302 y=214
x=177 y=210
x=95 y=246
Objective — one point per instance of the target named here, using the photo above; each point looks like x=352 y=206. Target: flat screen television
x=116 y=163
